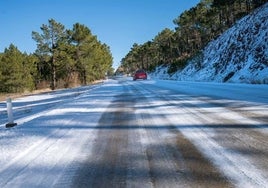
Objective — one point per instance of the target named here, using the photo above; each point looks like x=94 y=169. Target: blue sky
x=118 y=23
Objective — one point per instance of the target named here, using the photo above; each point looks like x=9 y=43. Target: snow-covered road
x=138 y=134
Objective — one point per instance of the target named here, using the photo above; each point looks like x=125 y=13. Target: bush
x=177 y=65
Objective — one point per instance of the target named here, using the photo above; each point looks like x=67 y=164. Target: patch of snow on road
x=39 y=151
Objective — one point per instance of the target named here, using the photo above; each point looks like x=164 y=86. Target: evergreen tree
x=61 y=57
x=29 y=71
x=15 y=71
x=93 y=59
x=194 y=29
x=53 y=35
x=83 y=40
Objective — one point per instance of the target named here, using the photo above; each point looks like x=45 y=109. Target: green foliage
x=93 y=59
x=63 y=58
x=194 y=29
x=177 y=65
x=110 y=71
x=65 y=53
x=52 y=37
x=16 y=69
x=29 y=72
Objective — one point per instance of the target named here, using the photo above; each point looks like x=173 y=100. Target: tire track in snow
x=187 y=166
x=157 y=160
x=235 y=165
x=22 y=165
x=44 y=162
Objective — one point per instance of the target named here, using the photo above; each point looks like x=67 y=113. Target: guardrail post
x=10 y=114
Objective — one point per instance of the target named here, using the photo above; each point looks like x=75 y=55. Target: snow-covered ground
x=50 y=134
x=47 y=146
x=239 y=55
x=199 y=109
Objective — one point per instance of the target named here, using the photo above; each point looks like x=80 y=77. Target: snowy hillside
x=239 y=55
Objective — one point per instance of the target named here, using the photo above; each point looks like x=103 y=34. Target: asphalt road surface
x=125 y=133
x=150 y=136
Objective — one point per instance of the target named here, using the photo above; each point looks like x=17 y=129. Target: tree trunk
x=53 y=82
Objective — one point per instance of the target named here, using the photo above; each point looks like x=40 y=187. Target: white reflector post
x=10 y=114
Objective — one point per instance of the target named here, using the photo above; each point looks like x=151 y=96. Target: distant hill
x=239 y=55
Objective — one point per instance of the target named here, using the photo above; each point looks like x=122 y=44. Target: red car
x=140 y=74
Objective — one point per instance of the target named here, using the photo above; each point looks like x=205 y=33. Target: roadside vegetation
x=195 y=28
x=63 y=58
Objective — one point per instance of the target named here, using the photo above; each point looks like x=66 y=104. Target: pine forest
x=195 y=28
x=63 y=58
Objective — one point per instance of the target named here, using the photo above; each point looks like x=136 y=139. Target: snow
x=234 y=165
x=239 y=55
x=47 y=145
x=38 y=150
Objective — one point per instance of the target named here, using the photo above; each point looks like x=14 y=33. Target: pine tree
x=93 y=59
x=54 y=34
x=15 y=75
